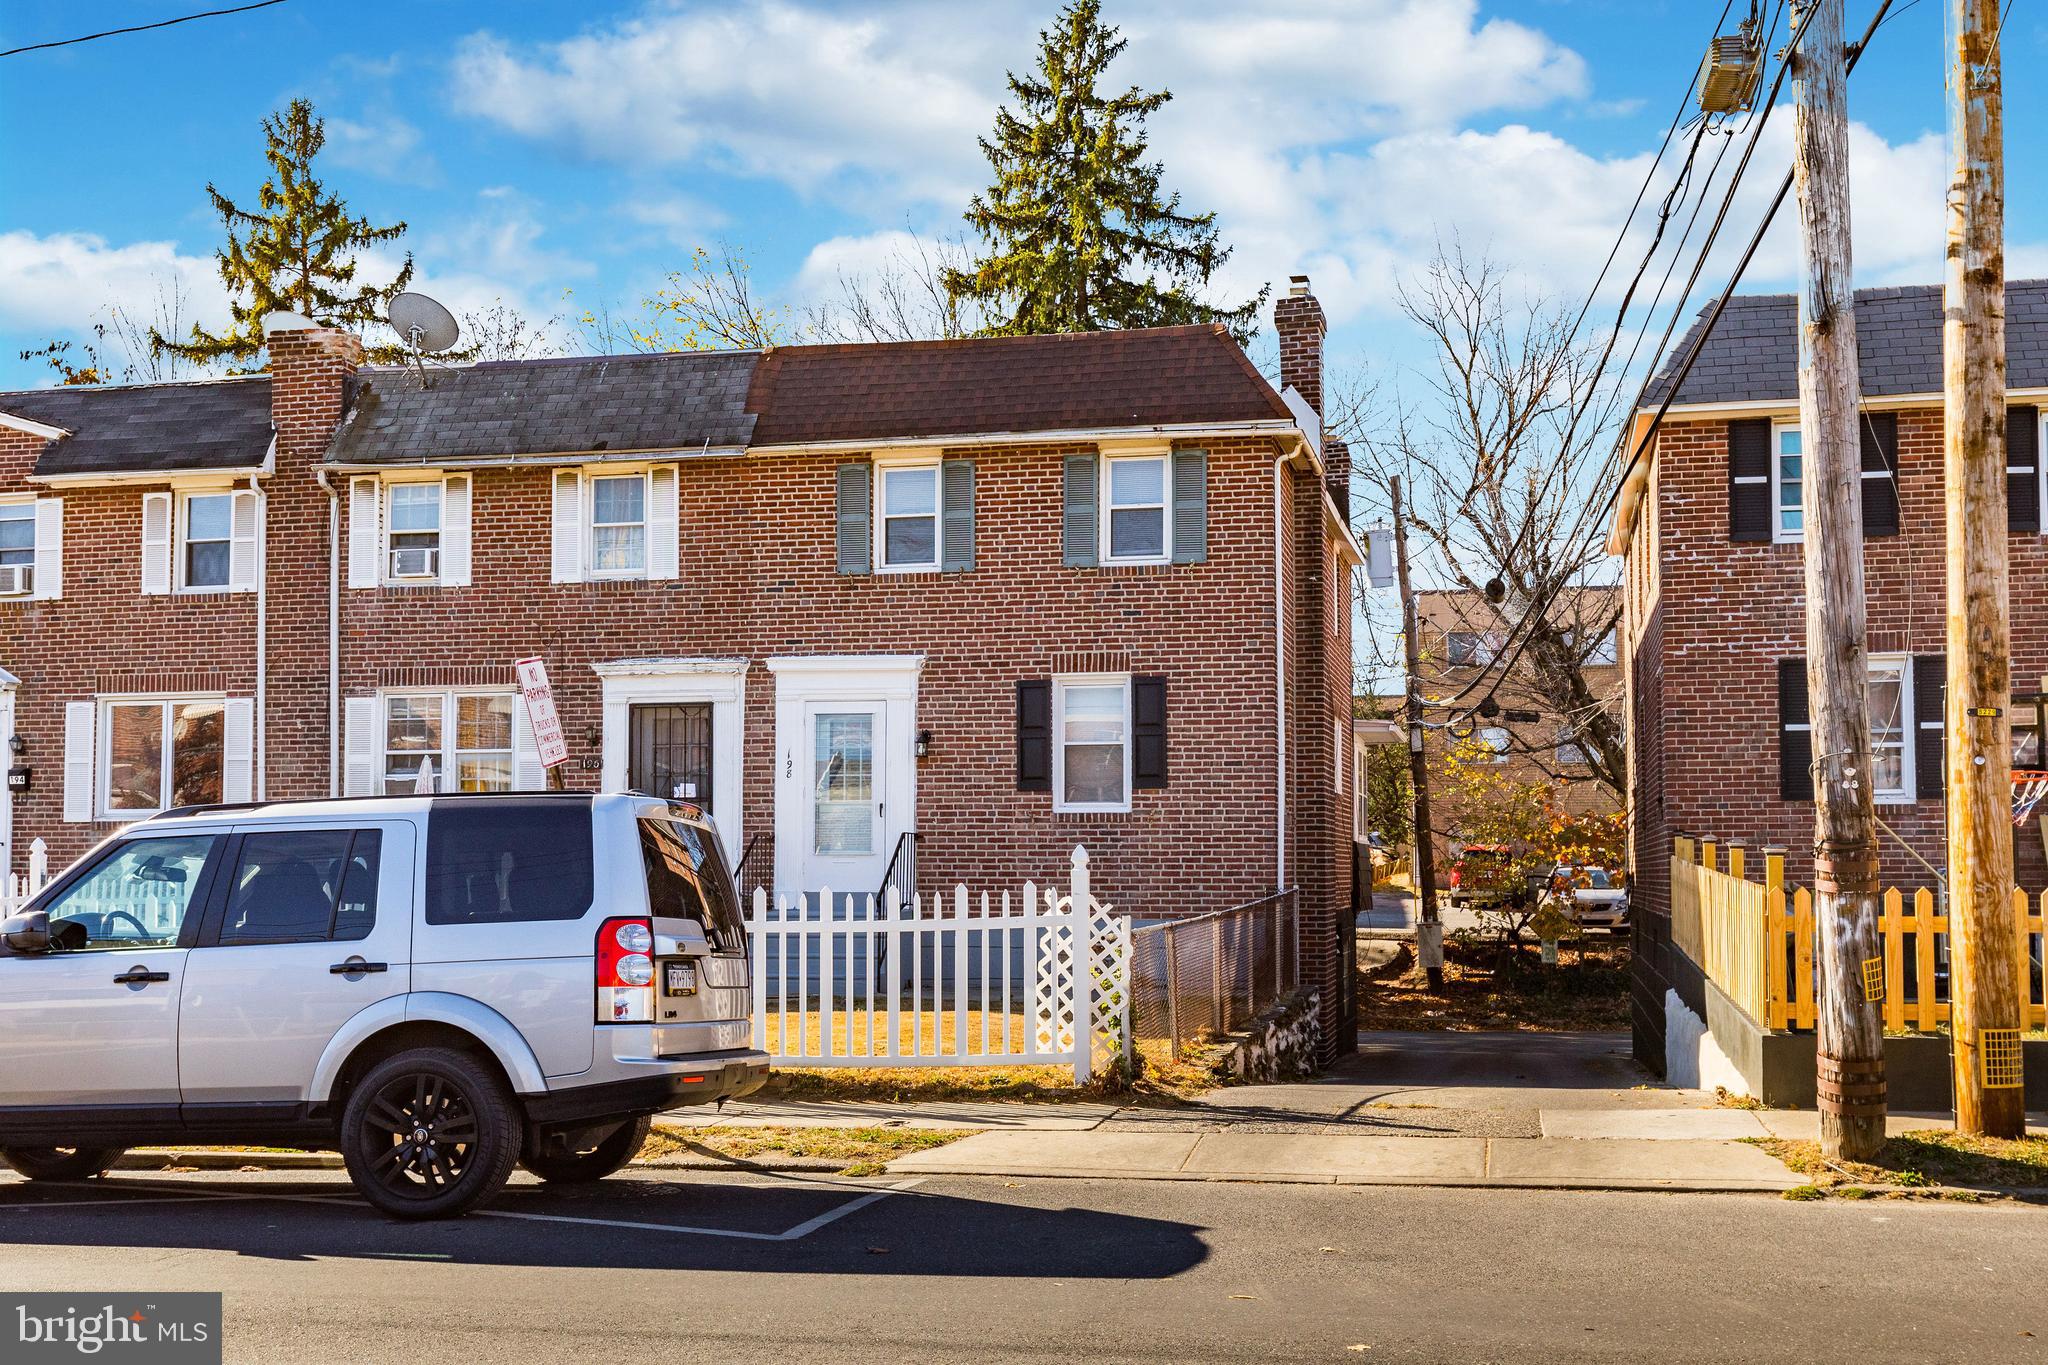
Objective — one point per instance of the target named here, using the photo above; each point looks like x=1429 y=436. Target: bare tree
x=120 y=349
x=708 y=305
x=501 y=332
x=902 y=299
x=1506 y=452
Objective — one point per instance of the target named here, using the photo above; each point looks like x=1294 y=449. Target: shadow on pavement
x=908 y=1233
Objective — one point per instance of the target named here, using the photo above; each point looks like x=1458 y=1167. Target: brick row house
x=1709 y=525
x=958 y=606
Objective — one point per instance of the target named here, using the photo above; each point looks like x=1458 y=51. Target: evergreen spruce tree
x=295 y=252
x=1078 y=235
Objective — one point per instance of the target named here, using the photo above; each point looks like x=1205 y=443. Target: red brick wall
x=1705 y=662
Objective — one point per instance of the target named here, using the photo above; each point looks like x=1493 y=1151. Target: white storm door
x=844 y=812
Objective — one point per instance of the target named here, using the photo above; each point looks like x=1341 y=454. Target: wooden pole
x=1429 y=932
x=1986 y=986
x=1850 y=1085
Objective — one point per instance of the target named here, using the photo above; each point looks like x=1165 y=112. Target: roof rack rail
x=222 y=807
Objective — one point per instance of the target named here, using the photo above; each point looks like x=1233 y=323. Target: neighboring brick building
x=1463 y=637
x=1714 y=596
x=1006 y=595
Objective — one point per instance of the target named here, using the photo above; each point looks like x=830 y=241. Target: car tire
x=610 y=1153
x=61 y=1163
x=430 y=1133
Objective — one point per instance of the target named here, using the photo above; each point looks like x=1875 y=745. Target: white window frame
x=1902 y=664
x=1779 y=535
x=591 y=479
x=1060 y=684
x=103 y=750
x=2040 y=469
x=445 y=757
x=27 y=504
x=883 y=468
x=181 y=514
x=1164 y=459
x=384 y=549
x=1501 y=749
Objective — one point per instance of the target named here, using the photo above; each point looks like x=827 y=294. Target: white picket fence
x=1039 y=979
x=114 y=899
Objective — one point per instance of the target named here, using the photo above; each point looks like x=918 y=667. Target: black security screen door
x=669 y=752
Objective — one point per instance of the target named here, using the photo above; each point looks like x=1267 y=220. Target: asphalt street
x=755 y=1267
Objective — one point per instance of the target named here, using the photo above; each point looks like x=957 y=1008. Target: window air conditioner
x=415 y=563
x=17 y=580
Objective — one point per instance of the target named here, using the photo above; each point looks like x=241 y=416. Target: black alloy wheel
x=430 y=1134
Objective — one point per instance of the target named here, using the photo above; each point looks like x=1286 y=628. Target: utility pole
x=1850 y=1080
x=1429 y=930
x=1989 y=1089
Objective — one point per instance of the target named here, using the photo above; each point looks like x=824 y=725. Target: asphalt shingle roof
x=683 y=401
x=1074 y=381
x=1753 y=354
x=222 y=424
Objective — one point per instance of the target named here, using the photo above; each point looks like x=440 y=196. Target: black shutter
x=1880 y=432
x=1930 y=683
x=1148 y=732
x=1749 y=479
x=2023 y=469
x=1034 y=735
x=1795 y=747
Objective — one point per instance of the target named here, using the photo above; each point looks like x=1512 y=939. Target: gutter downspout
x=1280 y=667
x=333 y=631
x=262 y=728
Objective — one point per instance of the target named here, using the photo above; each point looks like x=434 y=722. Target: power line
x=139 y=28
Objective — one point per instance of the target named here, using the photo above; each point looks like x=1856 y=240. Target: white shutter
x=359 y=745
x=568 y=529
x=49 y=547
x=156 y=543
x=242 y=553
x=238 y=745
x=78 y=760
x=455 y=531
x=664 y=518
x=527 y=773
x=365 y=532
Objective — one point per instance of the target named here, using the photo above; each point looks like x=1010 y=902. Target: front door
x=313 y=926
x=668 y=751
x=96 y=1021
x=844 y=817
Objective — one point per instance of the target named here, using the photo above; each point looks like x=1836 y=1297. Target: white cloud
x=62 y=282
x=384 y=145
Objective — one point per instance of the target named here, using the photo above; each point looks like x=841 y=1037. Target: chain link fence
x=1208 y=975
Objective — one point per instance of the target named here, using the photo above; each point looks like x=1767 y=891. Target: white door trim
x=887 y=679
x=721 y=682
x=8 y=682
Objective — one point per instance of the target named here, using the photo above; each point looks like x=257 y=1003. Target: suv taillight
x=625 y=972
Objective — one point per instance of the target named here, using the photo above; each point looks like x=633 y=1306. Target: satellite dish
x=423 y=322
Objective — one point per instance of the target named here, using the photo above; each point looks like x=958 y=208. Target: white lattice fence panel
x=1052 y=1012
x=1109 y=969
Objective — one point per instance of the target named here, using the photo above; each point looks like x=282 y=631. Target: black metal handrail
x=756 y=868
x=901 y=872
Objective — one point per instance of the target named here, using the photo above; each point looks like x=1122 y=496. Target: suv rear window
x=687 y=879
x=500 y=861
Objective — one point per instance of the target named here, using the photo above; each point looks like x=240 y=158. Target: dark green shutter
x=1034 y=735
x=1749 y=479
x=1795 y=747
x=1190 y=507
x=1930 y=692
x=856 y=491
x=1880 y=455
x=956 y=509
x=1078 y=537
x=2022 y=469
x=1148 y=733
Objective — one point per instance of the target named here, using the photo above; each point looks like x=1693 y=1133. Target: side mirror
x=29 y=933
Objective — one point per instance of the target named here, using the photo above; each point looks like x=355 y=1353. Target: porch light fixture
x=924 y=743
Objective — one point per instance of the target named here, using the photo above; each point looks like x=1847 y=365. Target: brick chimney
x=310 y=367
x=1298 y=320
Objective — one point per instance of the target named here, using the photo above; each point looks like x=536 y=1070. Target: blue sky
x=541 y=147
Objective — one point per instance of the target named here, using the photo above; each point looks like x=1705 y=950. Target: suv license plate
x=678 y=978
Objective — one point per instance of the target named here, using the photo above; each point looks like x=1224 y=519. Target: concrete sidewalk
x=1541 y=1163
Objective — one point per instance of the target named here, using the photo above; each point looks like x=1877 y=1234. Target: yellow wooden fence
x=1756 y=942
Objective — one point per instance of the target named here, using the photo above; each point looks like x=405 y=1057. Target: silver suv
x=441 y=987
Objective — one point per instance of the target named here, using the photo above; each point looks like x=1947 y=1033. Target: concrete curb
x=159 y=1159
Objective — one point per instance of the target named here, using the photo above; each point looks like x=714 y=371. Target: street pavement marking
x=161 y=1194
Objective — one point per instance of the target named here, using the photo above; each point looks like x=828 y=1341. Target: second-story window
x=1135 y=497
x=206 y=540
x=414 y=549
x=908 y=498
x=17 y=548
x=618 y=526
x=1788 y=487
